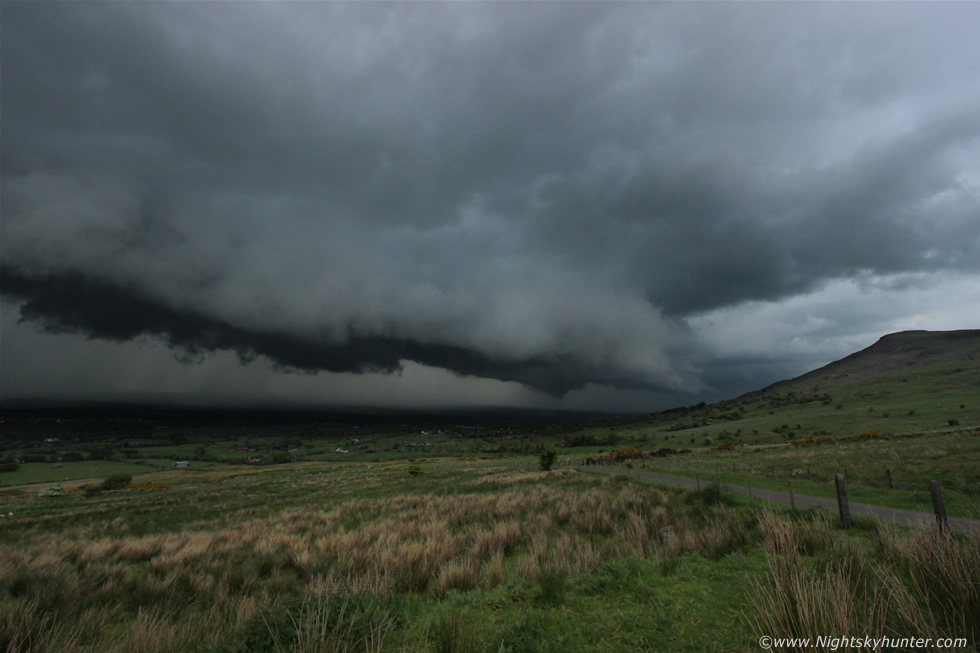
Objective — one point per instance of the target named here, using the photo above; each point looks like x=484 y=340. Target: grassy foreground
x=475 y=555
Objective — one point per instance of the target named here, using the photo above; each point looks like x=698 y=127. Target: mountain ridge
x=902 y=350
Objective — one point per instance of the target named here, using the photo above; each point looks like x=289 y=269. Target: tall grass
x=940 y=574
x=450 y=635
x=330 y=576
x=922 y=584
x=322 y=624
x=197 y=587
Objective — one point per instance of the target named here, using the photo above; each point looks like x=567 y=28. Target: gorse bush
x=116 y=482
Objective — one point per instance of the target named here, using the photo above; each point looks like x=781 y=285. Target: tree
x=548 y=458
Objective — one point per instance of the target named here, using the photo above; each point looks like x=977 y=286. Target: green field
x=922 y=424
x=72 y=471
x=476 y=555
x=914 y=460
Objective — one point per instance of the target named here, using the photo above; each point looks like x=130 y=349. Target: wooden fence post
x=842 y=505
x=792 y=499
x=936 y=490
x=751 y=498
x=698 y=478
x=891 y=480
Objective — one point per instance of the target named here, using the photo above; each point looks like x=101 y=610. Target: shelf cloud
x=561 y=196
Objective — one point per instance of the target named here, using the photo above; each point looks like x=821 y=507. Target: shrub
x=728 y=446
x=623 y=455
x=117 y=482
x=548 y=458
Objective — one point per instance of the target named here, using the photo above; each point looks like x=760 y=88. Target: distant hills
x=907 y=382
x=896 y=352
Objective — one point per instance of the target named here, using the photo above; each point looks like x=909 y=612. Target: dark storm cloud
x=77 y=305
x=533 y=192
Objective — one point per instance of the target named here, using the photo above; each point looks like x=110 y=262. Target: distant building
x=181 y=464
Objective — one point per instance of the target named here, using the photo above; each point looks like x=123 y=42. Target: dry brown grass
x=124 y=593
x=938 y=578
x=921 y=584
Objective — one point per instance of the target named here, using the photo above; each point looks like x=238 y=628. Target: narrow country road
x=894 y=515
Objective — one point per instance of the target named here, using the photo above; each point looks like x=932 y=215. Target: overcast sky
x=621 y=206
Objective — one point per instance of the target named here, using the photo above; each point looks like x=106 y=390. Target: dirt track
x=894 y=515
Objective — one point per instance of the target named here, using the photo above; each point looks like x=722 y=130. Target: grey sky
x=561 y=204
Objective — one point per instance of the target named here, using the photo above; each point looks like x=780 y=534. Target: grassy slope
x=920 y=391
x=923 y=399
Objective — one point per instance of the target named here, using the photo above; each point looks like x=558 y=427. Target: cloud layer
x=553 y=194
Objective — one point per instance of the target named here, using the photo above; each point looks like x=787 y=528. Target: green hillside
x=912 y=381
x=891 y=418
